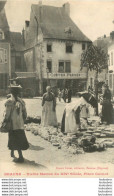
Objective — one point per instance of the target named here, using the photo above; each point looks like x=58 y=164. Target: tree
x=95 y=59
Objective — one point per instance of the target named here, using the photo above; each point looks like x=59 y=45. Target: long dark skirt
x=17 y=140
x=63 y=122
x=107 y=113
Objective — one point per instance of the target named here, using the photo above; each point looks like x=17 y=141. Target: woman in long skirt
x=16 y=110
x=107 y=108
x=49 y=117
x=72 y=113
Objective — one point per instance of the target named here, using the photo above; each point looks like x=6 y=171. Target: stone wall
x=28 y=58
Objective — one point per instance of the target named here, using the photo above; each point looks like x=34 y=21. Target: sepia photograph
x=56 y=88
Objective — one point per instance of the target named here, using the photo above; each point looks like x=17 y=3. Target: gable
x=3 y=20
x=16 y=41
x=2 y=4
x=54 y=21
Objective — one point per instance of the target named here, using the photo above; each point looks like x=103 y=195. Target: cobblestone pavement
x=42 y=155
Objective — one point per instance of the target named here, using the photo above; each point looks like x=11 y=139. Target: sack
x=6 y=126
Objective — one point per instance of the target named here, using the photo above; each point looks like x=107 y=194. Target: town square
x=56 y=91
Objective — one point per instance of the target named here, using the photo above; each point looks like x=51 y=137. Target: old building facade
x=54 y=45
x=11 y=52
x=111 y=64
x=5 y=61
x=101 y=42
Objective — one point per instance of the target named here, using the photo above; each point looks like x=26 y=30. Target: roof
x=4 y=25
x=102 y=42
x=3 y=19
x=111 y=43
x=54 y=21
x=16 y=41
x=2 y=4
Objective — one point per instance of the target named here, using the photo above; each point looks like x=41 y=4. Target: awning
x=25 y=74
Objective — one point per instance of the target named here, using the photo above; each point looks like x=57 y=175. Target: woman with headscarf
x=107 y=107
x=71 y=116
x=49 y=117
x=15 y=108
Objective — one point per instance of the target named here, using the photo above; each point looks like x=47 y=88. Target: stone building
x=111 y=63
x=54 y=45
x=11 y=52
x=17 y=53
x=5 y=61
x=103 y=43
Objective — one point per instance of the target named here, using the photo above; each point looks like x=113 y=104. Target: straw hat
x=15 y=85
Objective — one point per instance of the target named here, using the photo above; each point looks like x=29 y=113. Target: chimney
x=40 y=3
x=23 y=36
x=66 y=8
x=27 y=23
x=112 y=35
x=26 y=28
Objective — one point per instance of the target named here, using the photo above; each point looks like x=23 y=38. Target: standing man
x=69 y=95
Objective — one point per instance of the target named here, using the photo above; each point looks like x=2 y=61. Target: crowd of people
x=15 y=112
x=65 y=94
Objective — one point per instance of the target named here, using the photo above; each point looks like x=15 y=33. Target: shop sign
x=65 y=75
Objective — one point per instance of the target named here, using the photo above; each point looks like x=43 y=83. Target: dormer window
x=1 y=35
x=68 y=31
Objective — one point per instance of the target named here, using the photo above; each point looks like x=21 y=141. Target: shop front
x=111 y=82
x=76 y=82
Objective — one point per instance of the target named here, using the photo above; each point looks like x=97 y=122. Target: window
x=18 y=63
x=3 y=55
x=49 y=66
x=68 y=47
x=1 y=35
x=67 y=67
x=49 y=47
x=64 y=67
x=83 y=46
x=61 y=67
x=111 y=58
x=110 y=81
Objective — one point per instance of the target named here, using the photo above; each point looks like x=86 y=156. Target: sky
x=94 y=18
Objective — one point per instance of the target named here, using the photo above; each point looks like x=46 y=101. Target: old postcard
x=35 y=186
x=56 y=88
